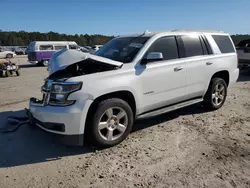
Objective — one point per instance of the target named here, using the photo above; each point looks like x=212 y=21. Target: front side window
x=192 y=45
x=167 y=46
x=224 y=43
x=46 y=47
x=123 y=49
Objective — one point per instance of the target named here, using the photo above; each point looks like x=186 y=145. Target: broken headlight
x=60 y=92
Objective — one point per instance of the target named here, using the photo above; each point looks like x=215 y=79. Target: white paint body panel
x=153 y=85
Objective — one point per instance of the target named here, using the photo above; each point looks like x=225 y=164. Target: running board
x=170 y=108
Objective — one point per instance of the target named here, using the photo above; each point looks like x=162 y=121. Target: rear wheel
x=111 y=123
x=216 y=94
x=45 y=63
x=9 y=56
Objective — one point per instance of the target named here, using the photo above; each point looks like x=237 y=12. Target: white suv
x=130 y=77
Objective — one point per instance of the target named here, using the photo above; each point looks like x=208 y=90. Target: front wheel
x=7 y=73
x=9 y=56
x=216 y=94
x=111 y=123
x=18 y=73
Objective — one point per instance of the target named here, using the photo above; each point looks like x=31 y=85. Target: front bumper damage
x=67 y=121
x=72 y=140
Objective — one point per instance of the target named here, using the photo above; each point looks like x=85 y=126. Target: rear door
x=199 y=64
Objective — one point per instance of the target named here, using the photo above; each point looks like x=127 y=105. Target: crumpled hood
x=63 y=58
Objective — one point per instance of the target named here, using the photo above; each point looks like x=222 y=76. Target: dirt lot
x=188 y=148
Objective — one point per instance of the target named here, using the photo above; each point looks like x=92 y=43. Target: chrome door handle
x=209 y=63
x=178 y=69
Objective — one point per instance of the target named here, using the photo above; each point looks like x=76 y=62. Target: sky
x=114 y=17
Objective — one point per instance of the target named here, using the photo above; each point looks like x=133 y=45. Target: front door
x=162 y=82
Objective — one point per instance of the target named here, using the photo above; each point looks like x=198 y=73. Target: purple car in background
x=40 y=52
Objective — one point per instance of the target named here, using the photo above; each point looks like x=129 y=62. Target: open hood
x=66 y=57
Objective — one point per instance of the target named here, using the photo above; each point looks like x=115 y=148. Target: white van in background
x=40 y=52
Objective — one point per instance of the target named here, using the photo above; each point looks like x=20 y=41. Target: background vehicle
x=243 y=51
x=135 y=76
x=40 y=52
x=95 y=48
x=83 y=49
x=6 y=53
x=7 y=68
x=21 y=50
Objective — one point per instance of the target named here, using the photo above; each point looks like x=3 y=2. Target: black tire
x=208 y=102
x=1 y=73
x=9 y=56
x=94 y=135
x=18 y=73
x=7 y=74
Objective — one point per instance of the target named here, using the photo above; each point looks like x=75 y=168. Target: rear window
x=224 y=43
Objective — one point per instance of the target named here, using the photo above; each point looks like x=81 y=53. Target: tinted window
x=192 y=45
x=46 y=47
x=224 y=43
x=167 y=46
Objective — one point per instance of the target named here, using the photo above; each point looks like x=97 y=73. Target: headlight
x=60 y=92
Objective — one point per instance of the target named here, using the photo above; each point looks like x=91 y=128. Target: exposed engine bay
x=87 y=66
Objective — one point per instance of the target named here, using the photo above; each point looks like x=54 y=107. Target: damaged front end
x=66 y=64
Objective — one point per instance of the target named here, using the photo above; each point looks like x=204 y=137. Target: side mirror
x=152 y=56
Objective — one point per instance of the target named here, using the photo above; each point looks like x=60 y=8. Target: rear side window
x=167 y=46
x=224 y=43
x=60 y=47
x=192 y=45
x=46 y=47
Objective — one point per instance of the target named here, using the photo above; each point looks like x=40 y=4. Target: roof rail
x=192 y=30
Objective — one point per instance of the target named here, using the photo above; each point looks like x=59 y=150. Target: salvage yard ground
x=186 y=148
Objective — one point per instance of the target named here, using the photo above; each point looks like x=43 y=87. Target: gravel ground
x=186 y=148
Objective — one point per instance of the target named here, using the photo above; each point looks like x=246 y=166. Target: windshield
x=122 y=49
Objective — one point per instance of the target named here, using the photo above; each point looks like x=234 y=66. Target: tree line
x=23 y=38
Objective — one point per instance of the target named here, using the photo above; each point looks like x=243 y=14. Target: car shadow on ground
x=29 y=145
x=27 y=66
x=244 y=76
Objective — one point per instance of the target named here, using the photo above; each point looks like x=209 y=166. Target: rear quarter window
x=224 y=43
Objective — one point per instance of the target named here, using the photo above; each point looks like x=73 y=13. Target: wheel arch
x=223 y=74
x=125 y=95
